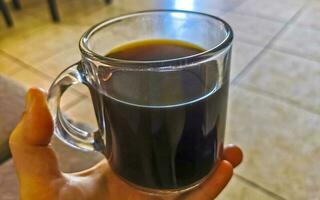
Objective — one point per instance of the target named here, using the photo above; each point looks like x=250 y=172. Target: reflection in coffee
x=166 y=128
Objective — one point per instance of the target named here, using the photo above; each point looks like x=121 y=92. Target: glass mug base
x=176 y=191
x=157 y=119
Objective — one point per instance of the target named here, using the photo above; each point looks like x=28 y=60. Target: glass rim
x=133 y=64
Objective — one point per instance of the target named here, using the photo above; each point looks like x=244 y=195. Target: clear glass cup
x=160 y=123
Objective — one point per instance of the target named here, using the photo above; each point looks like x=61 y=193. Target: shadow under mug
x=160 y=123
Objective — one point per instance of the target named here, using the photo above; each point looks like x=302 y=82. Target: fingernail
x=31 y=98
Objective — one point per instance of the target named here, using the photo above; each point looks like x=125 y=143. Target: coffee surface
x=151 y=50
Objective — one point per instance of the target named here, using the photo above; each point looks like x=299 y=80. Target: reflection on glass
x=184 y=4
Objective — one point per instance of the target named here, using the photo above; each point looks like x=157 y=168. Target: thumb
x=35 y=127
x=33 y=158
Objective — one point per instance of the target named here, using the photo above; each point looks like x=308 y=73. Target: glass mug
x=160 y=123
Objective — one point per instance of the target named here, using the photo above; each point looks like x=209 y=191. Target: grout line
x=259 y=16
x=260 y=188
x=279 y=98
x=24 y=64
x=305 y=27
x=286 y=51
x=29 y=67
x=250 y=42
x=254 y=60
x=35 y=70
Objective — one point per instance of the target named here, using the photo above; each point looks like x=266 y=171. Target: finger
x=101 y=167
x=233 y=154
x=35 y=127
x=29 y=140
x=214 y=184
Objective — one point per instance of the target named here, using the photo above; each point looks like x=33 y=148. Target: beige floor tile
x=82 y=89
x=280 y=10
x=301 y=41
x=78 y=12
x=281 y=144
x=16 y=36
x=239 y=190
x=72 y=12
x=26 y=22
x=55 y=64
x=30 y=78
x=154 y=4
x=30 y=3
x=310 y=15
x=194 y=5
x=242 y=54
x=33 y=47
x=223 y=5
x=8 y=65
x=83 y=112
x=252 y=29
x=288 y=76
x=69 y=98
x=94 y=12
x=22 y=22
x=209 y=7
x=65 y=8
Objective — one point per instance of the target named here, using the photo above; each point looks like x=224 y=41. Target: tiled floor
x=274 y=112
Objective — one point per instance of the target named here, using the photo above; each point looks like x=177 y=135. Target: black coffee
x=165 y=131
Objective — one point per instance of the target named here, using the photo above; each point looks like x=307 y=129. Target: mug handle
x=63 y=129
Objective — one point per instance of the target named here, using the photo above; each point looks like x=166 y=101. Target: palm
x=40 y=177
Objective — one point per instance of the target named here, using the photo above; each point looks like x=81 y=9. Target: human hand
x=40 y=177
